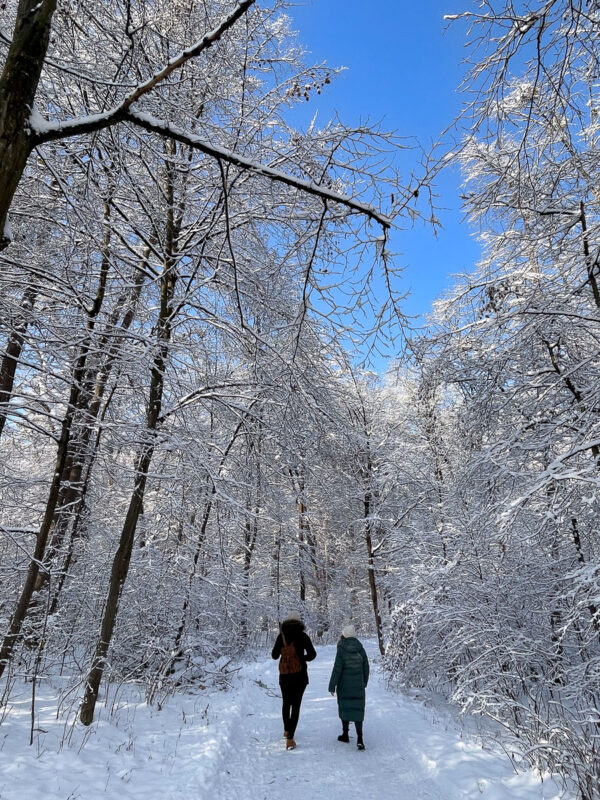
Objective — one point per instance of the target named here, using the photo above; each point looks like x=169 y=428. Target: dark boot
x=343 y=737
x=359 y=735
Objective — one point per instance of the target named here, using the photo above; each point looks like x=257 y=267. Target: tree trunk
x=18 y=86
x=22 y=607
x=118 y=576
x=301 y=546
x=81 y=457
x=369 y=494
x=251 y=527
x=39 y=553
x=12 y=354
x=371 y=570
x=201 y=538
x=122 y=559
x=309 y=546
x=276 y=569
x=77 y=523
x=592 y=607
x=591 y=266
x=250 y=537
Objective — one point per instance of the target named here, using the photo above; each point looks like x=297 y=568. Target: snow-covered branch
x=186 y=55
x=47 y=131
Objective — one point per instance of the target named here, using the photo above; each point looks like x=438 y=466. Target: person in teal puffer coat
x=349 y=680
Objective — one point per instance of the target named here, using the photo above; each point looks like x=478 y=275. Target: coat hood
x=350 y=645
x=292 y=627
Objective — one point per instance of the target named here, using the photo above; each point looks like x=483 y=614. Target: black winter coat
x=294 y=632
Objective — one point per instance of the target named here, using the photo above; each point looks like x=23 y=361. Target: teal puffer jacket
x=349 y=679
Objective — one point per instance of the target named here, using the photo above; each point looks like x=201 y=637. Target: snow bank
x=226 y=745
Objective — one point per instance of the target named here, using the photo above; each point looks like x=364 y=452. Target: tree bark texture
x=18 y=86
x=12 y=354
x=371 y=570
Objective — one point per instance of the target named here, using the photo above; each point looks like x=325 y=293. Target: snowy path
x=227 y=746
x=408 y=755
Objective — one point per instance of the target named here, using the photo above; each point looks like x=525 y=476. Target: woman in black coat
x=349 y=679
x=294 y=648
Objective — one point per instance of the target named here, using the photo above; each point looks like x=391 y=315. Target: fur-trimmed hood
x=292 y=628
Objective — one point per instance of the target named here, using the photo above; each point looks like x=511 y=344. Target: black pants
x=357 y=725
x=290 y=710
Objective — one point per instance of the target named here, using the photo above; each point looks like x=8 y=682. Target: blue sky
x=404 y=67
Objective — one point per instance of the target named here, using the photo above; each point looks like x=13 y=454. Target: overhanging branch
x=76 y=127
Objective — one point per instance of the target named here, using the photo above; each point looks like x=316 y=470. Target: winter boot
x=359 y=734
x=290 y=744
x=285 y=734
x=344 y=735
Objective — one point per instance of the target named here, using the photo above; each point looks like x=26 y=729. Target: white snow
x=38 y=125
x=226 y=745
x=7 y=233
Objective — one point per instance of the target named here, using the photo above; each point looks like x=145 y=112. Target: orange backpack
x=289 y=663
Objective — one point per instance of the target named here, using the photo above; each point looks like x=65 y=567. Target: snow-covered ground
x=227 y=746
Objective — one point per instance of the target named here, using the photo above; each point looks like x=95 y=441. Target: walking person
x=349 y=679
x=293 y=648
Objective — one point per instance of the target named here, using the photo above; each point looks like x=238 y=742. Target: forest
x=193 y=439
